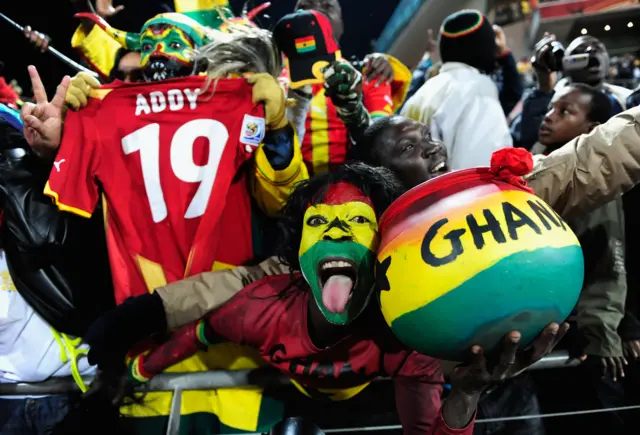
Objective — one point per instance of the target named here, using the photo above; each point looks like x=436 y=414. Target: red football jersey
x=164 y=155
x=271 y=315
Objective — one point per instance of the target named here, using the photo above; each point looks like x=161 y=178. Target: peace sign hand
x=43 y=120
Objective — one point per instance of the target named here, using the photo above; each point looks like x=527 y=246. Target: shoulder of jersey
x=272 y=285
x=99 y=94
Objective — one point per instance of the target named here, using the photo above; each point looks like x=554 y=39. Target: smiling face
x=167 y=52
x=337 y=252
x=406 y=147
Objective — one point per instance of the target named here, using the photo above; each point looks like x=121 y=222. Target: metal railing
x=263 y=377
x=211 y=380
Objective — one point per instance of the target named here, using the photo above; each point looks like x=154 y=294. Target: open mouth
x=439 y=168
x=157 y=69
x=338 y=278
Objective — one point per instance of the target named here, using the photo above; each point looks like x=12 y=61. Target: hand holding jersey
x=267 y=90
x=79 y=90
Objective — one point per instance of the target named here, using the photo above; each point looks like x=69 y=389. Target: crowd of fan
x=476 y=99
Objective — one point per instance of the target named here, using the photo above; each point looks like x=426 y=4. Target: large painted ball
x=466 y=258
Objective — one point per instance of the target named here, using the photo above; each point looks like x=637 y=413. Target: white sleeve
x=472 y=127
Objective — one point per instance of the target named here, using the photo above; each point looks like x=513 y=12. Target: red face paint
x=343 y=192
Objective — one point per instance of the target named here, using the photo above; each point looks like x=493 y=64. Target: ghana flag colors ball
x=466 y=258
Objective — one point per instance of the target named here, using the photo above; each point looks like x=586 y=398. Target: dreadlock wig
x=238 y=51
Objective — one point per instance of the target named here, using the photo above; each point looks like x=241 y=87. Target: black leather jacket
x=58 y=261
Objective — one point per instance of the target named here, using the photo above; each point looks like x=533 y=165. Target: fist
x=343 y=83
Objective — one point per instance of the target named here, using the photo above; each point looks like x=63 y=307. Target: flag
x=210 y=13
x=306 y=44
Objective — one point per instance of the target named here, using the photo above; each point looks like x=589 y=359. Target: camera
x=552 y=59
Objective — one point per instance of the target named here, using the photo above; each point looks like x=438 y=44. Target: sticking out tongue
x=335 y=293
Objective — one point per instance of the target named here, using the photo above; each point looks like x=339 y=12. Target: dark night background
x=364 y=20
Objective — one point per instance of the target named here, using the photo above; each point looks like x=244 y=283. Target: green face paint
x=337 y=252
x=340 y=275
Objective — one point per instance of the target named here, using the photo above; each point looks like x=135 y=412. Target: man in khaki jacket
x=584 y=174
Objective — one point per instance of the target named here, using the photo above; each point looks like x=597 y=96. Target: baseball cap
x=306 y=39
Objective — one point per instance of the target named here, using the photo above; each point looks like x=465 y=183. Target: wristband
x=137 y=371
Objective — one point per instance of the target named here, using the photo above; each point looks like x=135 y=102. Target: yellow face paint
x=355 y=220
x=169 y=41
x=337 y=254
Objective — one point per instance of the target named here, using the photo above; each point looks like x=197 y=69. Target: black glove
x=114 y=333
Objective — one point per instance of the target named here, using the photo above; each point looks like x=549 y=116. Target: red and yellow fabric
x=210 y=13
x=401 y=81
x=326 y=140
x=97 y=48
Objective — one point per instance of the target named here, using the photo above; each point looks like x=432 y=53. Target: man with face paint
x=321 y=325
x=581 y=176
x=166 y=44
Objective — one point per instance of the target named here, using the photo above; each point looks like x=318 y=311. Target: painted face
x=337 y=252
x=167 y=52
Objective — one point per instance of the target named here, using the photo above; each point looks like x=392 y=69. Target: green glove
x=343 y=84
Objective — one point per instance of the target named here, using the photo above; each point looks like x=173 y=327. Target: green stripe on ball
x=510 y=295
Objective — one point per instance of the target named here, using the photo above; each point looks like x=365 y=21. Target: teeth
x=332 y=264
x=439 y=166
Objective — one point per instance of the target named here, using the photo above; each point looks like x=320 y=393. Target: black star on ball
x=381 y=274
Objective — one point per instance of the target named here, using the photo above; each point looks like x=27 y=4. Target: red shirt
x=271 y=315
x=165 y=159
x=266 y=316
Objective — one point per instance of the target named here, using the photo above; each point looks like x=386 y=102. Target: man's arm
x=512 y=87
x=419 y=408
x=278 y=168
x=592 y=169
x=600 y=308
x=188 y=300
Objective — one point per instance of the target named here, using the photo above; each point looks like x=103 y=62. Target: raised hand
x=432 y=43
x=39 y=39
x=377 y=68
x=501 y=40
x=105 y=8
x=343 y=84
x=43 y=120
